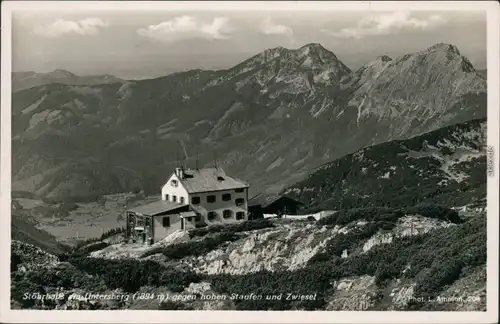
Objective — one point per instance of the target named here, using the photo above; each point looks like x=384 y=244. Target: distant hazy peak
x=383 y=58
x=304 y=50
x=61 y=73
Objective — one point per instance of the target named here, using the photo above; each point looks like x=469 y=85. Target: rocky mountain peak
x=314 y=54
x=317 y=52
x=449 y=54
x=439 y=57
x=313 y=47
x=309 y=63
x=443 y=47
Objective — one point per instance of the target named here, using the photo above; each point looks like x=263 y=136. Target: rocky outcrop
x=31 y=257
x=409 y=225
x=128 y=250
x=353 y=294
x=288 y=247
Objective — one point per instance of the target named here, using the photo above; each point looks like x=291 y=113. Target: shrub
x=347 y=216
x=170 y=305
x=439 y=276
x=435 y=211
x=103 y=236
x=308 y=281
x=15 y=260
x=390 y=215
x=350 y=240
x=130 y=275
x=86 y=250
x=20 y=287
x=193 y=248
x=66 y=277
x=250 y=225
x=319 y=257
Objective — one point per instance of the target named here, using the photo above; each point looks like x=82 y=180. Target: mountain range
x=30 y=79
x=271 y=120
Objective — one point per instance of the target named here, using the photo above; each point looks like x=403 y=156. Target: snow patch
x=386 y=175
x=33 y=106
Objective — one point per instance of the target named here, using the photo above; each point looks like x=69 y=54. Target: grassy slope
x=373 y=176
x=436 y=260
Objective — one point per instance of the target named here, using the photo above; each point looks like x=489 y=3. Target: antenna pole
x=178 y=159
x=197 y=160
x=186 y=158
x=215 y=159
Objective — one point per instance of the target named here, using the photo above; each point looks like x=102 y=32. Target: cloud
x=387 y=24
x=268 y=27
x=60 y=27
x=188 y=27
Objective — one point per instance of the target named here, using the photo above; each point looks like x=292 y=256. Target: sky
x=152 y=43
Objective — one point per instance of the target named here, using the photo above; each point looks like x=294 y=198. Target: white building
x=190 y=198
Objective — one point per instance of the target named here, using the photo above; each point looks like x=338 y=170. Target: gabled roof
x=199 y=209
x=157 y=207
x=264 y=200
x=209 y=179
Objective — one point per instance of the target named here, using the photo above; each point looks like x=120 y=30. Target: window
x=182 y=200
x=240 y=215
x=174 y=183
x=166 y=221
x=227 y=213
x=212 y=216
x=226 y=197
x=167 y=197
x=211 y=199
x=239 y=190
x=239 y=201
x=195 y=200
x=174 y=198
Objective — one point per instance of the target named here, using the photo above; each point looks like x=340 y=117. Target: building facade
x=189 y=199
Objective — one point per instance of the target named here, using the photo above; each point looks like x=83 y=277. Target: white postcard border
x=492 y=9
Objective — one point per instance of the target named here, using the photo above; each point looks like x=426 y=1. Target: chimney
x=179 y=173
